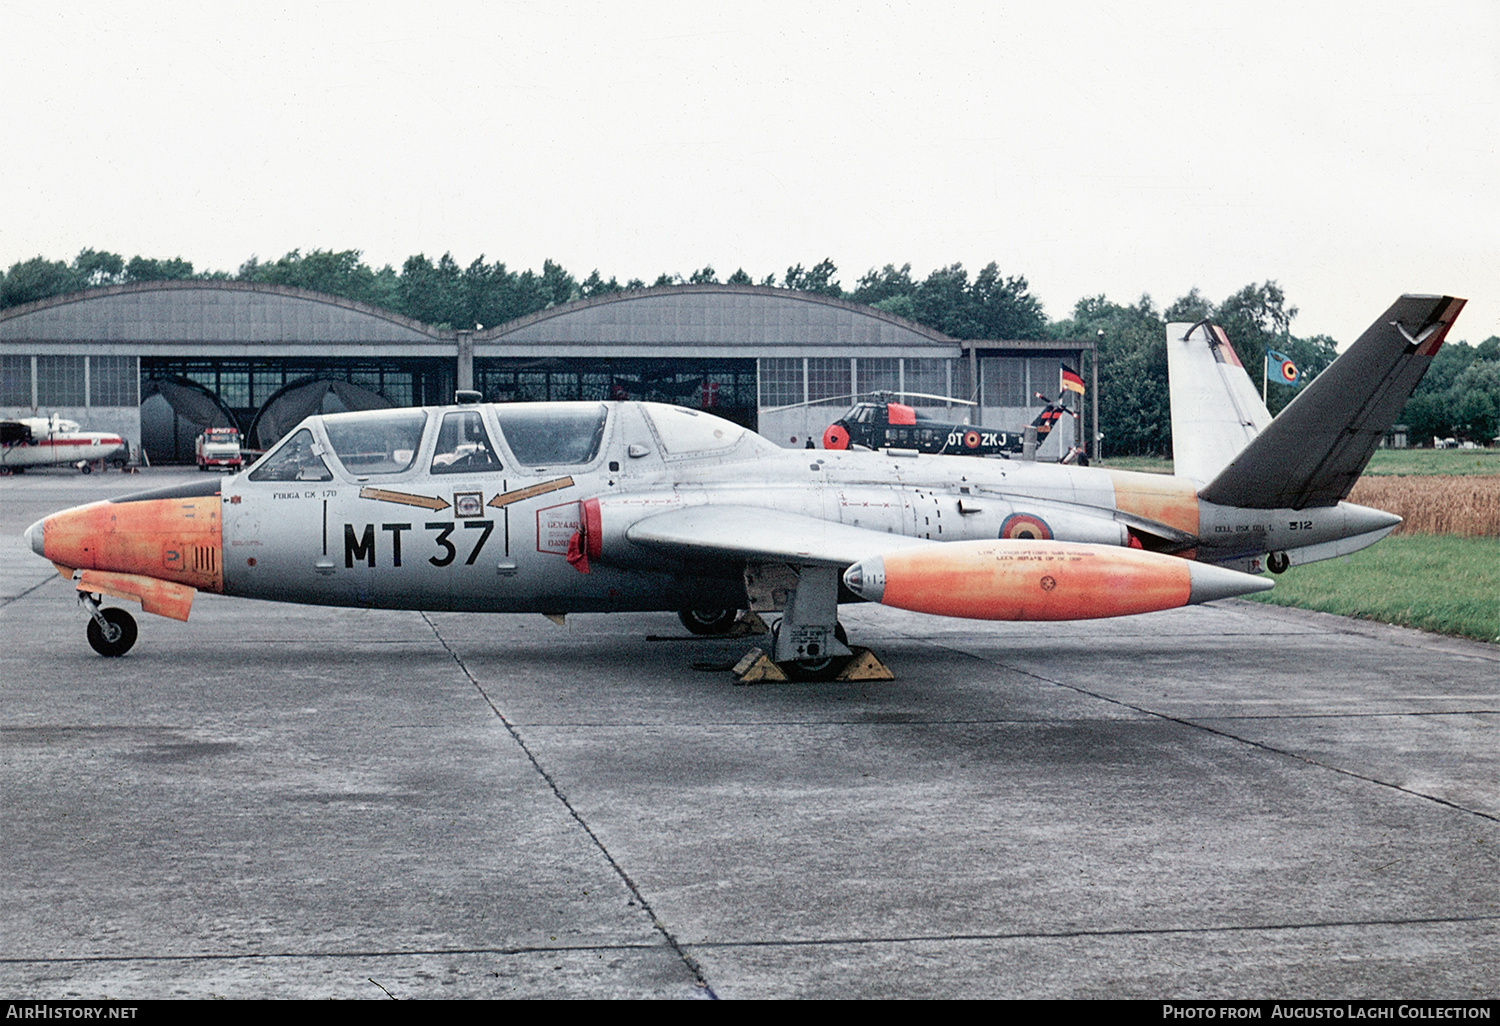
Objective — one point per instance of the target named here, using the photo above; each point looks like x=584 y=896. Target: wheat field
x=1465 y=506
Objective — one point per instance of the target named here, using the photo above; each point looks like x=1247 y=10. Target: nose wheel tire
x=708 y=621
x=118 y=638
x=1277 y=562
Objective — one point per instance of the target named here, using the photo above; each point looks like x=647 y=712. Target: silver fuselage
x=497 y=539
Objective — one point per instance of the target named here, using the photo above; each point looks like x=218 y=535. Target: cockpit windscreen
x=296 y=459
x=463 y=445
x=376 y=441
x=552 y=434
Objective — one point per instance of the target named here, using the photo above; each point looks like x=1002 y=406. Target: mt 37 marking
x=362 y=546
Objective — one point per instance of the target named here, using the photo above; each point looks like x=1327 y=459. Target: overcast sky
x=1349 y=151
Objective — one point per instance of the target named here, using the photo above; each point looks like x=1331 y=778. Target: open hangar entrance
x=723 y=387
x=264 y=398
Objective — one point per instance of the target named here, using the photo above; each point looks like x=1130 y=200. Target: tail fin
x=1048 y=418
x=1216 y=410
x=1317 y=447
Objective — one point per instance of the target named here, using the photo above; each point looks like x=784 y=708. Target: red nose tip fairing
x=156 y=550
x=836 y=437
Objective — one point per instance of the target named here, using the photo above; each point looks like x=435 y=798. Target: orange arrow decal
x=530 y=493
x=382 y=495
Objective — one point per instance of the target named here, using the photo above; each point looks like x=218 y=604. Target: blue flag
x=1281 y=368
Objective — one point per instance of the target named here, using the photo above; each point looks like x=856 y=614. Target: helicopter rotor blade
x=875 y=393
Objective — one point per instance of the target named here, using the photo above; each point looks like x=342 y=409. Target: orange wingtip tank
x=1040 y=580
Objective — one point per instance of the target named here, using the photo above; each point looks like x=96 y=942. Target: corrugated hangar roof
x=208 y=311
x=727 y=317
x=737 y=320
x=235 y=319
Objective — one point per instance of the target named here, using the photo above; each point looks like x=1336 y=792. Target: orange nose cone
x=169 y=539
x=1034 y=580
x=835 y=437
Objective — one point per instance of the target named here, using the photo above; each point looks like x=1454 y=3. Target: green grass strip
x=1385 y=462
x=1440 y=583
x=1456 y=462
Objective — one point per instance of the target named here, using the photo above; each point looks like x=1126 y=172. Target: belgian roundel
x=1025 y=526
x=1288 y=372
x=971 y=440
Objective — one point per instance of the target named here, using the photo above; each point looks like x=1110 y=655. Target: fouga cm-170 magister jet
x=587 y=507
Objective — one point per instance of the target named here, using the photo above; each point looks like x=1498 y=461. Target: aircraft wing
x=1316 y=448
x=758 y=535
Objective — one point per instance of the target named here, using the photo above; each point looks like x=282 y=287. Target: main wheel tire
x=815 y=670
x=1277 y=562
x=123 y=622
x=708 y=622
x=823 y=669
x=86 y=469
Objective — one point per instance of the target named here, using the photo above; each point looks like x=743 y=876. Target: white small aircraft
x=593 y=506
x=53 y=441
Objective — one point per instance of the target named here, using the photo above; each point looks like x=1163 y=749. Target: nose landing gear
x=112 y=631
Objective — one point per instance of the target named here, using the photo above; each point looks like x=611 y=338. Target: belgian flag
x=1282 y=368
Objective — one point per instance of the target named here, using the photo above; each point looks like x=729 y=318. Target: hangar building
x=158 y=361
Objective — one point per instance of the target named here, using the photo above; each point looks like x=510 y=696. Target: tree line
x=1460 y=396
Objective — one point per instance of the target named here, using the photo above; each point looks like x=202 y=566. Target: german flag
x=1071 y=382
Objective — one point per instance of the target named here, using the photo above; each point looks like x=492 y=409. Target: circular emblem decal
x=1288 y=372
x=1048 y=584
x=1025 y=526
x=971 y=440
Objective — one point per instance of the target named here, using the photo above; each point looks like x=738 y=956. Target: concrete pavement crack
x=16 y=598
x=557 y=791
x=1194 y=725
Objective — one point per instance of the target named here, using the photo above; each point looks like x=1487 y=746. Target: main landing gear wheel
x=708 y=621
x=1277 y=562
x=826 y=668
x=117 y=636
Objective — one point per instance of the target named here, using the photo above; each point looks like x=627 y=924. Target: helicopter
x=884 y=423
